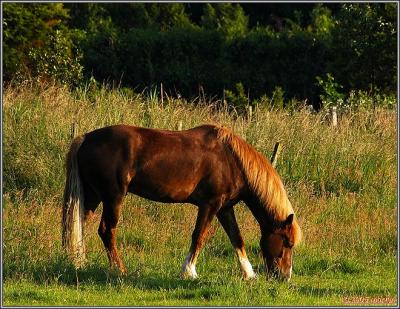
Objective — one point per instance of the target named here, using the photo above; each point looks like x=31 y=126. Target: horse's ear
x=289 y=219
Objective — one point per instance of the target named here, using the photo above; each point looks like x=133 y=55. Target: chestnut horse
x=207 y=166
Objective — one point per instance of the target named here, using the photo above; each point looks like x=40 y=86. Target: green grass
x=217 y=286
x=341 y=181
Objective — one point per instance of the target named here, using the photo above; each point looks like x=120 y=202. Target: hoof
x=252 y=276
x=188 y=271
x=189 y=275
x=119 y=268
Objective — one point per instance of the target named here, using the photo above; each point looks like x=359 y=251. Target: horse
x=208 y=166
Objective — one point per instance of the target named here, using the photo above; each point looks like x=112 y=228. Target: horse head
x=277 y=244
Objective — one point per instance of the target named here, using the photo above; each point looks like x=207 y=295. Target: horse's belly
x=165 y=189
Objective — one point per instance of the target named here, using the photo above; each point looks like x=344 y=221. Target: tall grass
x=341 y=181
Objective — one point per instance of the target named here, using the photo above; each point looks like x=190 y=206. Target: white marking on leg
x=245 y=265
x=290 y=272
x=291 y=267
x=189 y=268
x=247 y=269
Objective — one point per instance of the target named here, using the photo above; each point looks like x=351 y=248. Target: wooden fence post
x=275 y=154
x=334 y=116
x=73 y=130
x=250 y=112
x=162 y=95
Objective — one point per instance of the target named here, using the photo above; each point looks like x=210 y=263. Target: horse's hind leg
x=228 y=221
x=92 y=201
x=108 y=230
x=204 y=218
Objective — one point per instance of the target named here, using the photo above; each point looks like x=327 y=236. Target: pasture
x=341 y=182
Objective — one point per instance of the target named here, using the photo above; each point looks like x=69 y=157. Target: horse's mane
x=260 y=174
x=262 y=178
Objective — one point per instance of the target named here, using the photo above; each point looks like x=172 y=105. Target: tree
x=322 y=22
x=366 y=46
x=167 y=16
x=226 y=17
x=36 y=41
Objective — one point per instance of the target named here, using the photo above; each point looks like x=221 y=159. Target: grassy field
x=341 y=181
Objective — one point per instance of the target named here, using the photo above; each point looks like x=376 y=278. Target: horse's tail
x=73 y=207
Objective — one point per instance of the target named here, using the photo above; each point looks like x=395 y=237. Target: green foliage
x=322 y=22
x=125 y=16
x=358 y=99
x=277 y=100
x=99 y=47
x=57 y=61
x=225 y=17
x=330 y=91
x=182 y=59
x=214 y=46
x=133 y=15
x=166 y=17
x=237 y=98
x=37 y=43
x=365 y=44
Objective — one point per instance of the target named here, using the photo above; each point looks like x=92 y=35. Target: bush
x=37 y=43
x=330 y=91
x=141 y=46
x=186 y=58
x=365 y=47
x=182 y=59
x=57 y=60
x=237 y=98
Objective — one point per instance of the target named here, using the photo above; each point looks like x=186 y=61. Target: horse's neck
x=260 y=213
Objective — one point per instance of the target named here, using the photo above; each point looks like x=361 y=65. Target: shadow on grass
x=60 y=270
x=340 y=291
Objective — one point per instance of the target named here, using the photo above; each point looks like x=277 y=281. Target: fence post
x=250 y=112
x=275 y=154
x=162 y=95
x=334 y=116
x=73 y=130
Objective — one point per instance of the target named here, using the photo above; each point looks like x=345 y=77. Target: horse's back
x=116 y=133
x=169 y=166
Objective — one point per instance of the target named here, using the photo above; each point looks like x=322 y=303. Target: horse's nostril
x=279 y=275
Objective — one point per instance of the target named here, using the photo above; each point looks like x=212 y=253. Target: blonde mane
x=261 y=176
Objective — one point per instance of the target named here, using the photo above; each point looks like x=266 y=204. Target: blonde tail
x=73 y=207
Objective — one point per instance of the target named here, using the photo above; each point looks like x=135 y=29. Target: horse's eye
x=287 y=243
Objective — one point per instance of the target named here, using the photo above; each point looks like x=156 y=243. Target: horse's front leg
x=228 y=221
x=204 y=217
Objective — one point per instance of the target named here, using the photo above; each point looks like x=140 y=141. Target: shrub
x=57 y=60
x=37 y=43
x=238 y=98
x=330 y=91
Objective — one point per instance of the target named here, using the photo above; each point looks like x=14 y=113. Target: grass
x=154 y=289
x=341 y=181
